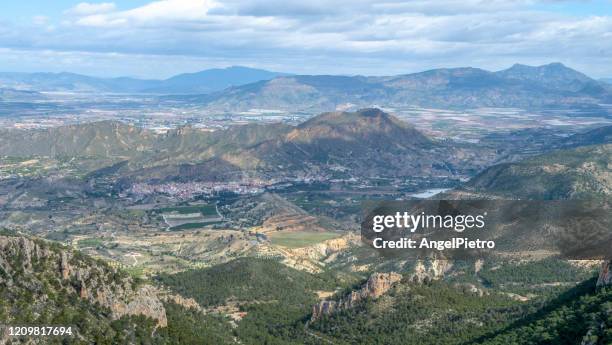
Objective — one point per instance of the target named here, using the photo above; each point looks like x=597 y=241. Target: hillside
x=246 y=280
x=12 y=95
x=45 y=284
x=443 y=313
x=268 y=300
x=106 y=138
x=42 y=283
x=578 y=316
x=583 y=172
x=600 y=135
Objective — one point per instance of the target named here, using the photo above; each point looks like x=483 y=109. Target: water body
x=428 y=193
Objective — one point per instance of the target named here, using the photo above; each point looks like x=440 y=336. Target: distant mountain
x=71 y=82
x=606 y=80
x=13 y=95
x=200 y=82
x=211 y=80
x=553 y=85
x=241 y=88
x=554 y=76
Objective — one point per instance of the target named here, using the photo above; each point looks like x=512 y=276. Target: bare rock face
x=144 y=301
x=188 y=303
x=605 y=275
x=430 y=270
x=85 y=277
x=322 y=250
x=377 y=285
x=323 y=308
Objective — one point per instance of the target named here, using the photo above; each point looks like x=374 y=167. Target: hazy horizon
x=288 y=72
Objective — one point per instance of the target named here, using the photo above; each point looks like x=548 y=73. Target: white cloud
x=343 y=36
x=154 y=12
x=86 y=8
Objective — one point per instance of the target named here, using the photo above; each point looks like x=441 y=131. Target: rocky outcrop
x=324 y=249
x=188 y=303
x=377 y=285
x=23 y=259
x=428 y=270
x=605 y=275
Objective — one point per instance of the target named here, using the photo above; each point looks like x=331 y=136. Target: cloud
x=317 y=36
x=86 y=8
x=153 y=13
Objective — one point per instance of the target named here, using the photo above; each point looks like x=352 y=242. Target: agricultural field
x=189 y=216
x=299 y=239
x=204 y=209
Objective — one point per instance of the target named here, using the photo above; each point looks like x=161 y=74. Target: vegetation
x=205 y=210
x=247 y=281
x=191 y=327
x=532 y=276
x=298 y=239
x=578 y=173
x=580 y=314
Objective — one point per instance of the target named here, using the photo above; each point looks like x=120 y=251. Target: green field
x=205 y=210
x=298 y=239
x=90 y=242
x=189 y=226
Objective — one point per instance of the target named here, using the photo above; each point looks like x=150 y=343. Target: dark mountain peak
x=555 y=76
x=371 y=112
x=337 y=118
x=555 y=70
x=214 y=79
x=238 y=71
x=555 y=65
x=368 y=125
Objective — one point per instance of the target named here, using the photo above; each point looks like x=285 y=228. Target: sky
x=158 y=39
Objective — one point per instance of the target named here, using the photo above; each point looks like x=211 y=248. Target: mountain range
x=188 y=83
x=239 y=88
x=548 y=86
x=365 y=143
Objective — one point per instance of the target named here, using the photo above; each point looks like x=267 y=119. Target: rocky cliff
x=377 y=285
x=44 y=268
x=605 y=275
x=430 y=270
